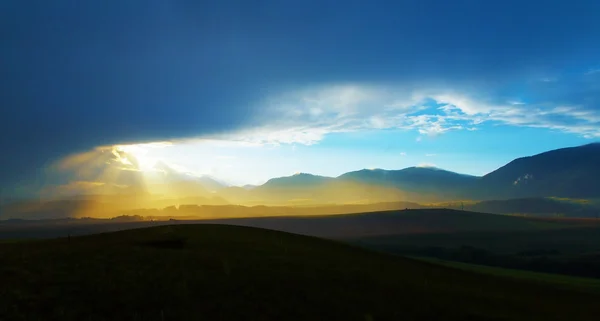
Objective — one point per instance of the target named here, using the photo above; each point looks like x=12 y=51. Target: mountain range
x=524 y=185
x=572 y=172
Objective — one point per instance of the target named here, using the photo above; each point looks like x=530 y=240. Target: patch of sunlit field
x=220 y=272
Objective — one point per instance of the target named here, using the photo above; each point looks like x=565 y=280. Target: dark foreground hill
x=218 y=272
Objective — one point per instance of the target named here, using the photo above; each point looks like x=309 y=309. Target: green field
x=219 y=272
x=581 y=284
x=571 y=251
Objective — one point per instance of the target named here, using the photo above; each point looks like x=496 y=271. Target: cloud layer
x=306 y=116
x=81 y=74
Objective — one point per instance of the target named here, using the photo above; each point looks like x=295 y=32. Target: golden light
x=140 y=153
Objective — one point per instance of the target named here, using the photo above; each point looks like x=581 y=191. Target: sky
x=249 y=90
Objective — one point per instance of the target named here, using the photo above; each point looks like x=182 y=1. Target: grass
x=567 y=241
x=571 y=282
x=573 y=251
x=220 y=272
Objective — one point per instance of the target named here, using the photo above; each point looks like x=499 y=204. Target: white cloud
x=430 y=155
x=307 y=116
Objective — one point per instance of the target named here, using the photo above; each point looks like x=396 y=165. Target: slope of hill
x=238 y=273
x=364 y=221
x=569 y=172
x=533 y=206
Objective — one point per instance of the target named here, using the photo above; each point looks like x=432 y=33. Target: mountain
x=308 y=189
x=568 y=172
x=299 y=180
x=211 y=184
x=428 y=180
x=167 y=175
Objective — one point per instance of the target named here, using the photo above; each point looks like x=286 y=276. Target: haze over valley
x=560 y=182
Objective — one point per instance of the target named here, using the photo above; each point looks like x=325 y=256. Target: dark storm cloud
x=78 y=74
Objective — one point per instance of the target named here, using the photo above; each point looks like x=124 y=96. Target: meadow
x=222 y=272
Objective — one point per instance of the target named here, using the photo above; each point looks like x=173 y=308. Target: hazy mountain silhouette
x=168 y=175
x=428 y=180
x=300 y=180
x=568 y=172
x=303 y=188
x=211 y=184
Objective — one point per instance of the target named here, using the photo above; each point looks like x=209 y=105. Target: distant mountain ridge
x=296 y=181
x=568 y=172
x=572 y=172
x=429 y=180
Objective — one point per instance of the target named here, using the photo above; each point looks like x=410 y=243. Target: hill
x=534 y=206
x=321 y=221
x=237 y=273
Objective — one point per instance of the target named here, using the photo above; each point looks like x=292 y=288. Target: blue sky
x=471 y=152
x=312 y=86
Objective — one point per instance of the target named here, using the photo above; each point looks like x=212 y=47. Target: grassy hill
x=219 y=272
x=570 y=250
x=539 y=206
x=584 y=284
x=296 y=220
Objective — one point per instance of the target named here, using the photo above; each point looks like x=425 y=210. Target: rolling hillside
x=192 y=272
